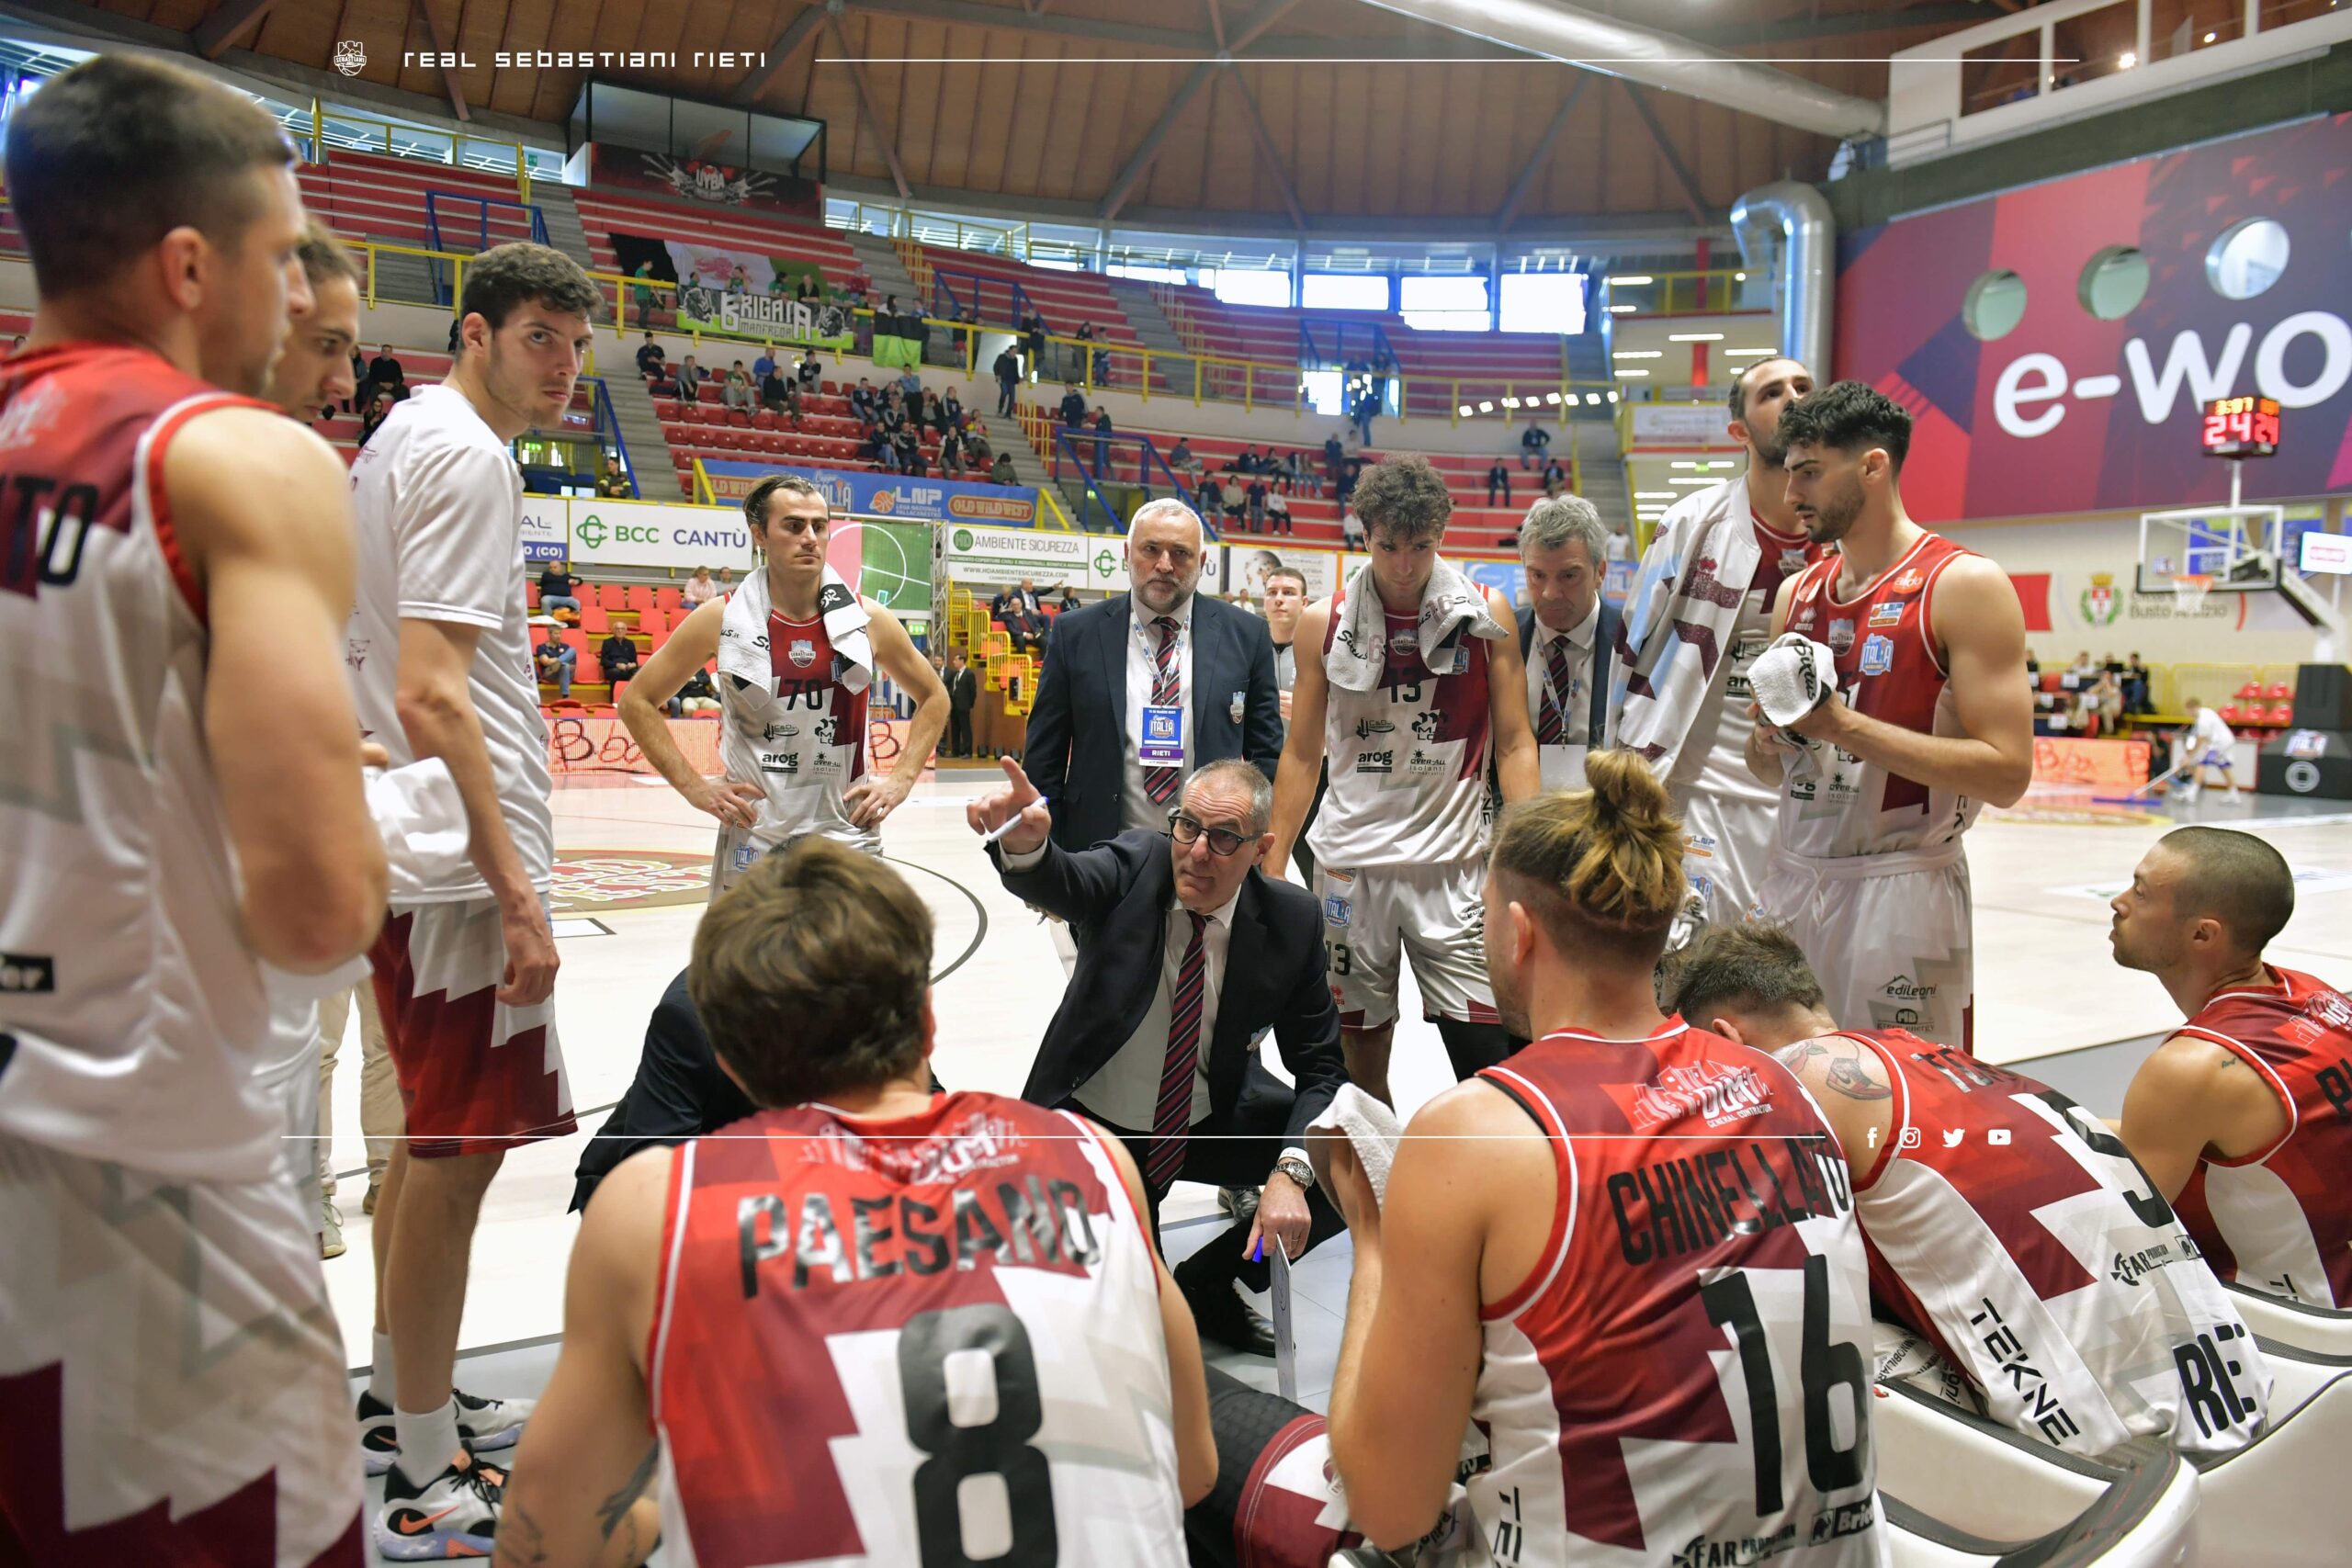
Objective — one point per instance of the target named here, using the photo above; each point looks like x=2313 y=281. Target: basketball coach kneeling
x=1186 y=953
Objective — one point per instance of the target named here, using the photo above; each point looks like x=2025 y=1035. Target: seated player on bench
x=1980 y=1191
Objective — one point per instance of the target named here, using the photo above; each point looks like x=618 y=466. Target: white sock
x=428 y=1442
x=379 y=1375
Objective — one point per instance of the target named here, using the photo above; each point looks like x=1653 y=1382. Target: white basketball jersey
x=2008 y=1224
x=440 y=512
x=132 y=1012
x=1407 y=759
x=803 y=743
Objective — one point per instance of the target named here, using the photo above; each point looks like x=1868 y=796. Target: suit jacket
x=1077 y=746
x=963 y=690
x=1116 y=898
x=680 y=1092
x=1604 y=653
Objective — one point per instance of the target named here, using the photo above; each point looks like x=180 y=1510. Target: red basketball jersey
x=2280 y=1220
x=2011 y=1229
x=856 y=1317
x=1888 y=667
x=804 y=748
x=1685 y=1374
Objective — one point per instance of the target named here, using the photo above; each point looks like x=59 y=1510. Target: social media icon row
x=1998 y=1138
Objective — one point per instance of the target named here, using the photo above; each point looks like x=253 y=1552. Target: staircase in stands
x=640 y=427
x=561 y=214
x=883 y=266
x=1152 y=328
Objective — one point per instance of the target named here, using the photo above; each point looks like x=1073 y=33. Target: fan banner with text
x=2056 y=344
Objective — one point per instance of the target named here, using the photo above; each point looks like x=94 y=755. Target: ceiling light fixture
x=1694 y=337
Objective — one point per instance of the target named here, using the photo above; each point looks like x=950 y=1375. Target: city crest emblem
x=2100 y=605
x=351 y=57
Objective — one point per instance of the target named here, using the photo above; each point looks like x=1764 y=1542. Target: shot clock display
x=2241 y=427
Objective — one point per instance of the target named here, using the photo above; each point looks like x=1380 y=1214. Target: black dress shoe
x=1220 y=1313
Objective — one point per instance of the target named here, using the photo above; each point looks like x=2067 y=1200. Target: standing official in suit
x=1569 y=640
x=1144 y=687
x=963 y=694
x=1186 y=953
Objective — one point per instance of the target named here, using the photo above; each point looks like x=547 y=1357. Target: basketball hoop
x=2189 y=590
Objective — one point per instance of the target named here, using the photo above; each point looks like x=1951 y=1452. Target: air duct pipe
x=1662 y=60
x=1786 y=232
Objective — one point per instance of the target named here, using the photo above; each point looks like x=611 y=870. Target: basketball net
x=2189 y=590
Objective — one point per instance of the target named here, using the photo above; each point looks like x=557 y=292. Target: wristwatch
x=1298 y=1170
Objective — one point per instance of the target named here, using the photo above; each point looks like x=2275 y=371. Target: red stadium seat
x=2232 y=714
x=612 y=596
x=589 y=671
x=2252 y=689
x=2282 y=714
x=593 y=618
x=639 y=596
x=667 y=598
x=2050 y=679
x=531 y=594
x=2277 y=693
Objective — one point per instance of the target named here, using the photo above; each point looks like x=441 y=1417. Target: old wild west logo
x=1717 y=1093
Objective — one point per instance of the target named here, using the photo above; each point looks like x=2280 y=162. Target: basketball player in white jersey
x=1618 y=1275
x=2208 y=743
x=313 y=372
x=806 y=647
x=2243 y=1117
x=1929 y=717
x=2008 y=1228
x=465 y=970
x=1413 y=685
x=169 y=1365
x=864 y=1295
x=1698 y=613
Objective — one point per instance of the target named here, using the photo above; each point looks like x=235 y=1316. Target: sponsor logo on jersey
x=1368 y=728
x=1337 y=910
x=1804 y=622
x=1702 y=845
x=779 y=731
x=1909 y=583
x=1878 y=655
x=802 y=652
x=1421 y=765
x=2014 y=1360
x=786 y=762
x=1425 y=725
x=1376 y=762
x=2130 y=1267
x=1903 y=989
x=1719 y=1094
x=1841 y=635
x=828 y=731
x=27 y=974
x=1887 y=613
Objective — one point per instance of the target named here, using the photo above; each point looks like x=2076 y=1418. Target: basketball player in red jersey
x=1930 y=718
x=835 y=1314
x=2243 y=1118
x=1992 y=1205
x=465 y=968
x=1614 y=1253
x=168 y=1362
x=798 y=650
x=1415 y=684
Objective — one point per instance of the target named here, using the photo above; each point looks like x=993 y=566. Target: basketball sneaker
x=484 y=1426
x=453 y=1514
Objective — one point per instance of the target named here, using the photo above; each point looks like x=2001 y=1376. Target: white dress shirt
x=1563 y=766
x=1137 y=810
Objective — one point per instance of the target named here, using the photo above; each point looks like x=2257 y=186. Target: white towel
x=1792 y=678
x=743 y=639
x=1371 y=1127
x=1451 y=607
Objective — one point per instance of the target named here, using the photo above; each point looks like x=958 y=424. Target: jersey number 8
x=939 y=1355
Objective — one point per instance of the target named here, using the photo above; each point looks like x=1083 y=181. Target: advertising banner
x=1680 y=424
x=706 y=183
x=2055 y=344
x=1246 y=566
x=1002 y=556
x=894 y=497
x=2090 y=765
x=738 y=290
x=547 y=527
x=640 y=533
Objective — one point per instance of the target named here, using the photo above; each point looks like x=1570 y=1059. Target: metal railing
x=478 y=210
x=318 y=135
x=1714 y=292
x=936 y=229
x=607 y=419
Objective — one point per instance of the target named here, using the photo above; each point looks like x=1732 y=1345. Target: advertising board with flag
x=733 y=290
x=894 y=497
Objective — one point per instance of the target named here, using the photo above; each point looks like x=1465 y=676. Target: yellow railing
x=1714 y=292
x=1049 y=506
x=323 y=154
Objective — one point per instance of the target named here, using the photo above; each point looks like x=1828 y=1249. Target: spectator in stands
x=805 y=292
x=1277 y=511
x=812 y=372
x=358 y=380
x=780 y=395
x=1002 y=472
x=951 y=455
x=886 y=452
x=1033 y=332
x=557 y=659
x=1068 y=599
x=1102 y=442
x=1555 y=479
x=862 y=400
x=739 y=395
x=696 y=697
x=1295 y=467
x=1535 y=444
x=1367 y=408
x=1351 y=529
x=911 y=453
x=950 y=411
x=2106 y=700
x=1073 y=407
x=699 y=590
x=872 y=444
x=977 y=453
x=644 y=294
x=1210 y=494
x=619 y=656
x=1335 y=457
x=373 y=413
x=911 y=387
x=738 y=281
x=690 y=379
x=918 y=404
x=1181 y=459
x=2080 y=673
x=763 y=368
x=2135 y=687
x=963 y=693
x=726 y=580
x=1253 y=503
x=384 y=371
x=652 y=362
x=558 y=589
x=1617 y=547
x=1022 y=616
x=1498 y=479
x=1008 y=379
x=888 y=414
x=613 y=482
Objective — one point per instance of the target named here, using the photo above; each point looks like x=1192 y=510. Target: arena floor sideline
x=633 y=862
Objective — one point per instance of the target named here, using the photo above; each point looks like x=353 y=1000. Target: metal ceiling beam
x=1663 y=60
x=213 y=35
x=1132 y=172
x=1266 y=149
x=1541 y=155
x=1265 y=19
x=1690 y=197
x=866 y=107
x=1196 y=45
x=449 y=73
x=1852 y=24
x=1216 y=24
x=780 y=50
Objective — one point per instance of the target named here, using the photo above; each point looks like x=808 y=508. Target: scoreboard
x=2241 y=427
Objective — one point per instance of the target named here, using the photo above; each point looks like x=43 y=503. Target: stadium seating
x=604 y=214
x=377 y=198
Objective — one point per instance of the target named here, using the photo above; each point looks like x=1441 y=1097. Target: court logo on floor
x=588 y=880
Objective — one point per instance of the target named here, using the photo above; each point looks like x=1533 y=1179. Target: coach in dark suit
x=1567 y=635
x=1158 y=648
x=680 y=1092
x=1186 y=953
x=963 y=694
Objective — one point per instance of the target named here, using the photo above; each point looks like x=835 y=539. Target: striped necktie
x=1171 y=1120
x=1167 y=691
x=1554 y=728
